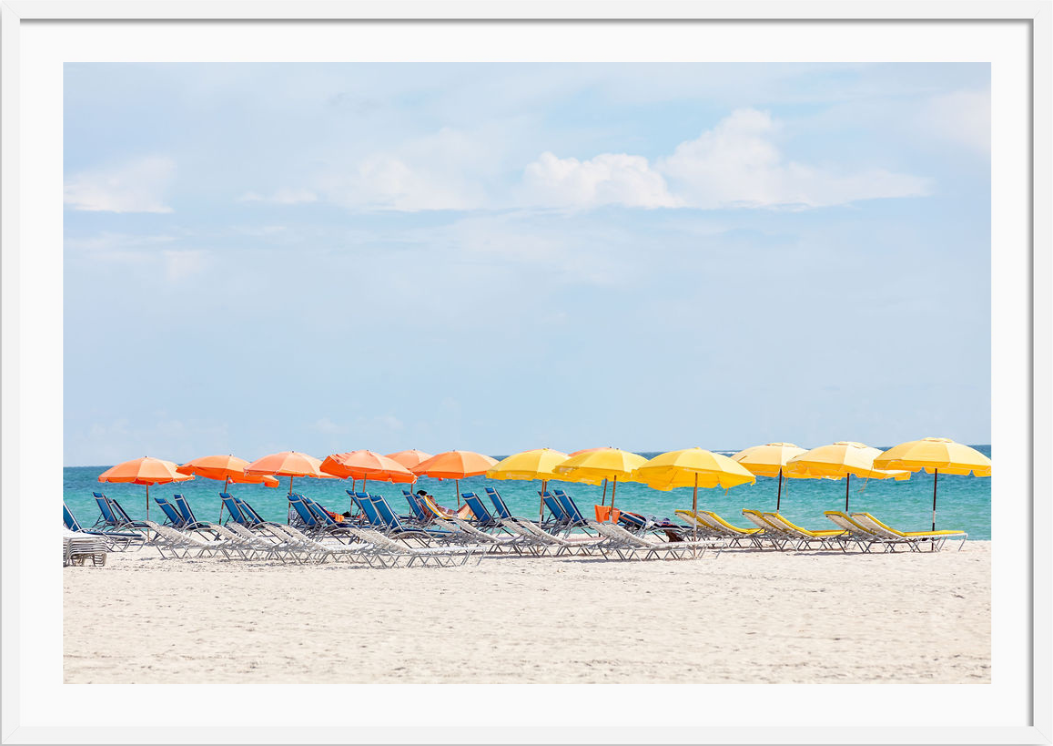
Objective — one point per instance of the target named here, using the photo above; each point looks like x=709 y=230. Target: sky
x=496 y=257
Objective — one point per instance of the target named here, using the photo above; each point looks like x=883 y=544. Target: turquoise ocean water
x=964 y=503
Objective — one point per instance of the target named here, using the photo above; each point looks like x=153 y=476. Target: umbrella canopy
x=147 y=471
x=594 y=464
x=535 y=464
x=935 y=455
x=409 y=458
x=455 y=465
x=366 y=465
x=842 y=459
x=225 y=468
x=769 y=460
x=288 y=464
x=693 y=466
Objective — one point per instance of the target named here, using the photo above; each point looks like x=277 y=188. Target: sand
x=742 y=617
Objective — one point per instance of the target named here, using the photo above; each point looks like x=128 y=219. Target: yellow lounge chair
x=713 y=526
x=804 y=537
x=863 y=538
x=777 y=536
x=936 y=539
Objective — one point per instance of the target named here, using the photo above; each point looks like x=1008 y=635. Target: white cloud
x=284 y=196
x=738 y=164
x=963 y=117
x=136 y=186
x=609 y=178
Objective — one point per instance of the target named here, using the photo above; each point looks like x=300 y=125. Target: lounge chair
x=422 y=516
x=575 y=517
x=500 y=508
x=190 y=521
x=444 y=556
x=318 y=550
x=176 y=541
x=914 y=539
x=393 y=525
x=804 y=538
x=496 y=542
x=483 y=518
x=78 y=548
x=366 y=507
x=772 y=534
x=558 y=517
x=114 y=540
x=113 y=515
x=627 y=545
x=563 y=544
x=863 y=538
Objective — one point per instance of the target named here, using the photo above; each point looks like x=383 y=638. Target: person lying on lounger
x=464 y=512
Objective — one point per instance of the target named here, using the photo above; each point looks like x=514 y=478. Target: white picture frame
x=23 y=496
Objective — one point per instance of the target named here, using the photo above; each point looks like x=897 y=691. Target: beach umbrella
x=288 y=464
x=935 y=455
x=693 y=467
x=770 y=460
x=455 y=465
x=594 y=464
x=535 y=464
x=367 y=465
x=409 y=458
x=842 y=459
x=228 y=469
x=147 y=471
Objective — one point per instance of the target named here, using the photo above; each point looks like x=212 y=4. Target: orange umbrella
x=228 y=469
x=145 y=470
x=454 y=465
x=409 y=458
x=288 y=464
x=367 y=465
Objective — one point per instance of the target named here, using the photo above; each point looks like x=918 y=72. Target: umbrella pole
x=226 y=486
x=288 y=510
x=778 y=498
x=457 y=489
x=848 y=482
x=935 y=479
x=148 y=501
x=694 y=514
x=614 y=489
x=541 y=501
x=604 y=500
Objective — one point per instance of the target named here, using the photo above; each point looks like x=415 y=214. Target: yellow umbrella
x=935 y=455
x=693 y=467
x=841 y=459
x=770 y=460
x=601 y=463
x=535 y=464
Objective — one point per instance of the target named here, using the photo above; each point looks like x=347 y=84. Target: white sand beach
x=742 y=617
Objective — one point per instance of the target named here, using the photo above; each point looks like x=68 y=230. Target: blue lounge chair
x=190 y=521
x=114 y=515
x=483 y=517
x=420 y=513
x=393 y=525
x=254 y=518
x=114 y=539
x=172 y=516
x=574 y=516
x=499 y=504
x=559 y=514
x=361 y=499
x=235 y=512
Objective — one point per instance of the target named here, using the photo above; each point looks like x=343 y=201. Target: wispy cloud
x=134 y=186
x=607 y=179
